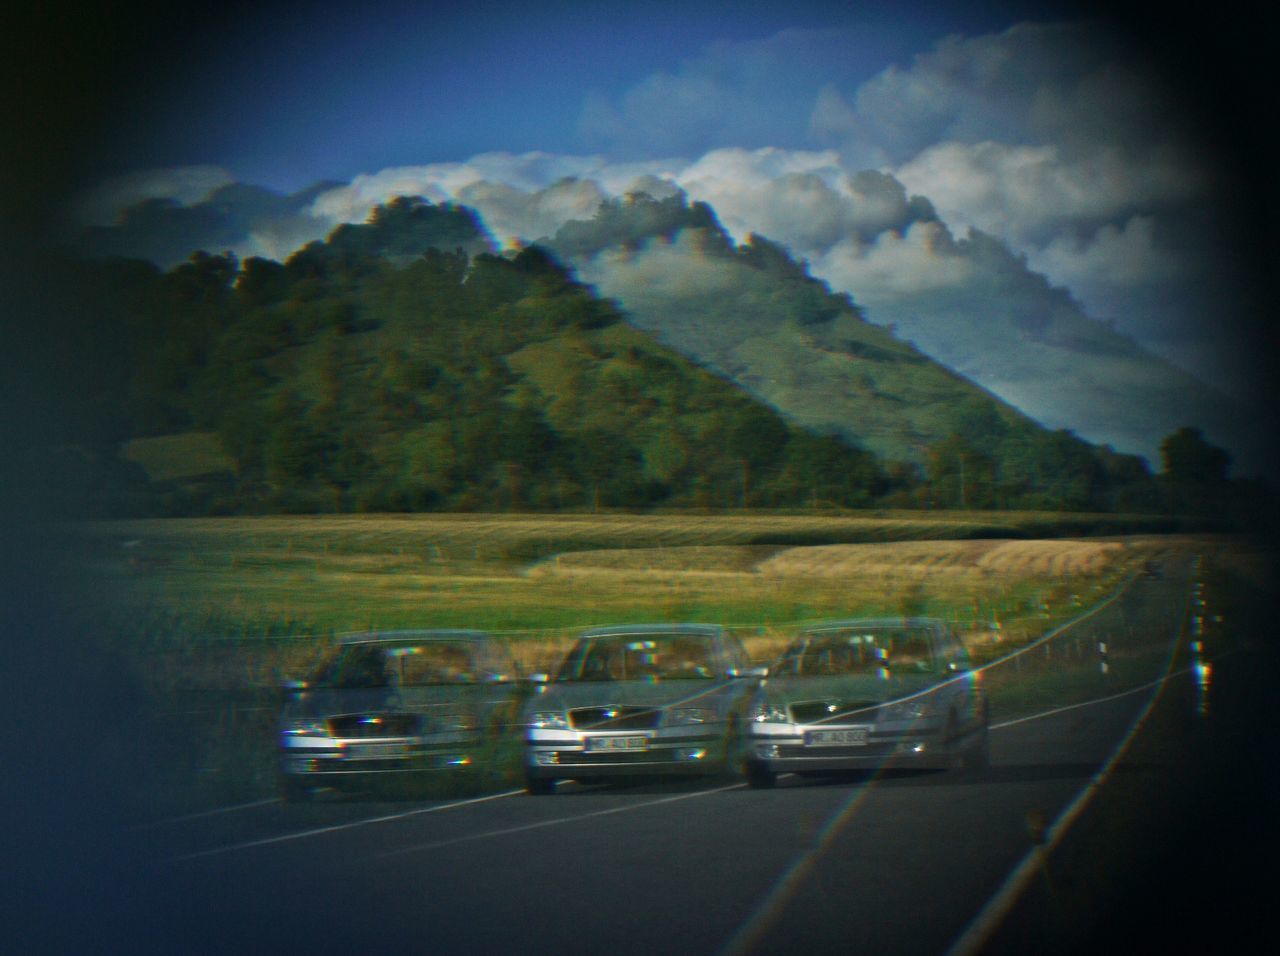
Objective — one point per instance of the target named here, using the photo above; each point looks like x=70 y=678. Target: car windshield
x=651 y=657
x=859 y=650
x=411 y=664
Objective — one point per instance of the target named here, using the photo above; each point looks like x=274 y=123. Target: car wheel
x=293 y=790
x=539 y=786
x=735 y=752
x=955 y=756
x=978 y=756
x=759 y=777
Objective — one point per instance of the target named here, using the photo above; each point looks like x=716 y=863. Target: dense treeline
x=366 y=374
x=342 y=380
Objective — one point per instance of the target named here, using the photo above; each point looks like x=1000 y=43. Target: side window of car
x=737 y=653
x=505 y=662
x=952 y=653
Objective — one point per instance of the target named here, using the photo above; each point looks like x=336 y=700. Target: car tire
x=539 y=786
x=735 y=753
x=955 y=757
x=978 y=756
x=759 y=777
x=293 y=790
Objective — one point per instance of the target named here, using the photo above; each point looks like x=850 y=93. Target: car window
x=656 y=656
x=400 y=665
x=502 y=664
x=953 y=651
x=860 y=650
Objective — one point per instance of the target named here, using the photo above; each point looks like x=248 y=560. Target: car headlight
x=689 y=715
x=306 y=727
x=767 y=712
x=548 y=720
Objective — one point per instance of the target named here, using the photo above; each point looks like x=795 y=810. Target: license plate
x=365 y=751
x=848 y=737
x=599 y=744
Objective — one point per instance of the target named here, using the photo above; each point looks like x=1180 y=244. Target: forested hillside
x=346 y=380
x=404 y=365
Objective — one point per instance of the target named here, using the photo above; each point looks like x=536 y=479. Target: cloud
x=185 y=185
x=1029 y=194
x=1049 y=140
x=1126 y=255
x=896 y=266
x=527 y=195
x=1065 y=83
x=743 y=93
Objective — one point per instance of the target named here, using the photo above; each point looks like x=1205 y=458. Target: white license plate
x=364 y=751
x=847 y=737
x=599 y=744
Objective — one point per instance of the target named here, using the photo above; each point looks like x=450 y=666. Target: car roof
x=873 y=622
x=623 y=630
x=441 y=635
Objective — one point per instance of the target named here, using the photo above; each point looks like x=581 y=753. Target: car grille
x=879 y=749
x=614 y=718
x=815 y=711
x=355 y=726
x=616 y=758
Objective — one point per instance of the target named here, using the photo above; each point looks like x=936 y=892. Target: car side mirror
x=293 y=689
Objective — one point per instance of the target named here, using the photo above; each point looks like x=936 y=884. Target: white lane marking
x=1055 y=632
x=767 y=910
x=302 y=834
x=523 y=828
x=772 y=904
x=205 y=813
x=1089 y=703
x=978 y=932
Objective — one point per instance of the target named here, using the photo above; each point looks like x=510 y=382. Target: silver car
x=397 y=703
x=864 y=694
x=639 y=700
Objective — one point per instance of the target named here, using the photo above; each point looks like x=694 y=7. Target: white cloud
x=1027 y=194
x=738 y=93
x=1126 y=255
x=896 y=266
x=185 y=185
x=527 y=195
x=1033 y=84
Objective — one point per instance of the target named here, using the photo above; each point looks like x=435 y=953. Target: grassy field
x=212 y=613
x=189 y=586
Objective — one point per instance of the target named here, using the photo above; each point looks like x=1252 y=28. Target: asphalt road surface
x=928 y=862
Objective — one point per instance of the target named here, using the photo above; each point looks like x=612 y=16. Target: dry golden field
x=537 y=578
x=207 y=616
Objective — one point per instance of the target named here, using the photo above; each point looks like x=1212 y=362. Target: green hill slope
x=756 y=316
x=357 y=376
x=403 y=365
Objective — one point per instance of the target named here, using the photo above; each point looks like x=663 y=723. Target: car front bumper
x=569 y=754
x=802 y=748
x=324 y=756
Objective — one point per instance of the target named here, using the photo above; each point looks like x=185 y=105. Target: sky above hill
x=1094 y=146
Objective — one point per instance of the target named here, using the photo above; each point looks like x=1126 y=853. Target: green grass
x=211 y=614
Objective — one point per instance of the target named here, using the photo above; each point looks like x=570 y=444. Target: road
x=890 y=863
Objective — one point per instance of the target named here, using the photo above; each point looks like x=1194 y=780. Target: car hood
x=569 y=695
x=865 y=689
x=324 y=702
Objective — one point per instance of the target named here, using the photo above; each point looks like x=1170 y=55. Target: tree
x=960 y=476
x=1195 y=472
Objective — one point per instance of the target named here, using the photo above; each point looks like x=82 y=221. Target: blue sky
x=284 y=94
x=1104 y=153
